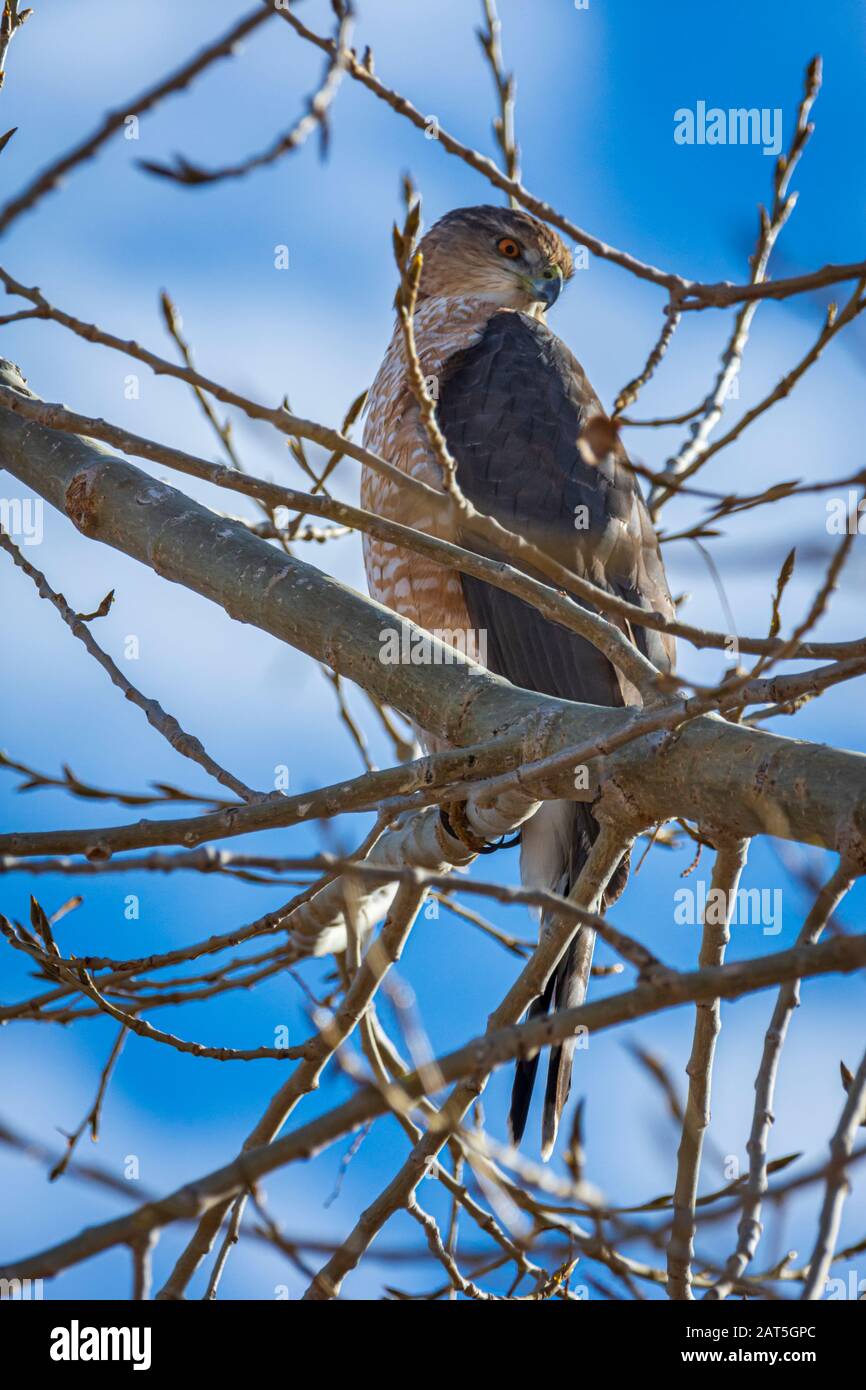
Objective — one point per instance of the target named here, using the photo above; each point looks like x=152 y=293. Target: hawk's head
x=494 y=253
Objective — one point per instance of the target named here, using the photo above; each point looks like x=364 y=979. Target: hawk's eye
x=508 y=247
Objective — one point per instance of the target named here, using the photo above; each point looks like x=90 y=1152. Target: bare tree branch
x=841 y=1147
x=729 y=865
x=476 y=1058
x=750 y=1229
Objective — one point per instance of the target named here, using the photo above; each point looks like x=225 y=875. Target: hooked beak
x=546 y=288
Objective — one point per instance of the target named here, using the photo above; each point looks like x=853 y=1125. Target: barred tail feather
x=572 y=978
x=525 y=1069
x=554 y=848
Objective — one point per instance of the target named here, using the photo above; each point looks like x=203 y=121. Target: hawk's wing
x=511 y=408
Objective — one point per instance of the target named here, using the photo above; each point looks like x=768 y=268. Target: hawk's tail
x=555 y=845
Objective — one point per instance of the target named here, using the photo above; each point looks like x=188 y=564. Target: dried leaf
x=598 y=438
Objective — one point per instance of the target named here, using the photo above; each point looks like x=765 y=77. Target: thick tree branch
x=552 y=602
x=767 y=784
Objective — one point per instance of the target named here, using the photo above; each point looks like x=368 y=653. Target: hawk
x=513 y=403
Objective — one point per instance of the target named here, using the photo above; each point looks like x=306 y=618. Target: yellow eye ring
x=508 y=247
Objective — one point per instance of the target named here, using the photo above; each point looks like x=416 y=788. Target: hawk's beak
x=547 y=287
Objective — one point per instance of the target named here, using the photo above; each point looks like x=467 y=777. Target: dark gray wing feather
x=512 y=408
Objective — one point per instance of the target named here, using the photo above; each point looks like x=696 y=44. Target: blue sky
x=597 y=92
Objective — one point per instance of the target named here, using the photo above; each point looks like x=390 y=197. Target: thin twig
x=10 y=22
x=729 y=865
x=490 y=39
x=841 y=1148
x=165 y=724
x=177 y=81
x=94 y=1114
x=315 y=117
x=750 y=1228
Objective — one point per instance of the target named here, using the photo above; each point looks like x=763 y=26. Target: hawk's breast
x=426 y=593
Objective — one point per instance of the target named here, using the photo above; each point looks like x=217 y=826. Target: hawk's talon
x=456 y=824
